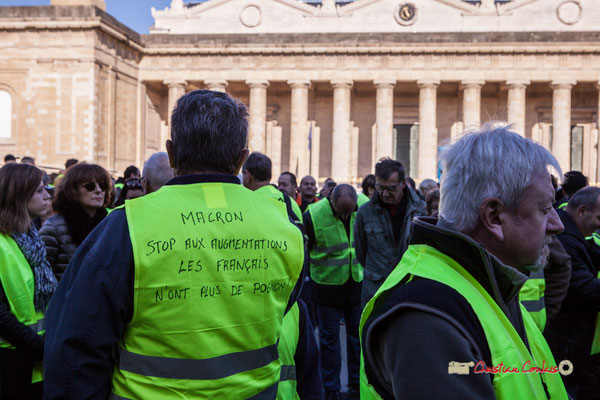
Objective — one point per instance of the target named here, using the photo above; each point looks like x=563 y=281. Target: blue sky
x=133 y=13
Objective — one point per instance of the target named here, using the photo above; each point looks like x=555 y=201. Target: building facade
x=331 y=86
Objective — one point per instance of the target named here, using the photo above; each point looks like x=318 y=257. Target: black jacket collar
x=203 y=178
x=502 y=282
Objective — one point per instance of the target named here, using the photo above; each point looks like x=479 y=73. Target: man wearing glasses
x=382 y=226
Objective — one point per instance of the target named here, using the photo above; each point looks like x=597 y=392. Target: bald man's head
x=157 y=172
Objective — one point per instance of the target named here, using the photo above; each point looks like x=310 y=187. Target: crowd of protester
x=524 y=240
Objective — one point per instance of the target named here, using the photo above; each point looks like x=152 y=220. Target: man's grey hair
x=343 y=190
x=157 y=171
x=427 y=184
x=494 y=162
x=587 y=197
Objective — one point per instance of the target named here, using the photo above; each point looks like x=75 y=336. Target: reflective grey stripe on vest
x=268 y=394
x=288 y=373
x=534 y=305
x=331 y=262
x=206 y=369
x=36 y=327
x=331 y=249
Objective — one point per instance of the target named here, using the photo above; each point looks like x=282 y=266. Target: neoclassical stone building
x=331 y=86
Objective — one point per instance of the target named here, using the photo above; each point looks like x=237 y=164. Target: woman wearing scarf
x=79 y=202
x=27 y=281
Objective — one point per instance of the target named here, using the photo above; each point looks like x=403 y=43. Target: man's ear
x=491 y=217
x=169 y=146
x=581 y=211
x=241 y=160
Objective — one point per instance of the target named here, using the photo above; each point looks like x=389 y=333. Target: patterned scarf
x=34 y=250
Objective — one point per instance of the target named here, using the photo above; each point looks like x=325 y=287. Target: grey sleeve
x=414 y=352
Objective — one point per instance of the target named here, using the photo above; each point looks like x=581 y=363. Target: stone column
x=427 y=159
x=517 y=104
x=340 y=154
x=561 y=122
x=384 y=118
x=176 y=90
x=258 y=115
x=299 y=153
x=472 y=103
x=218 y=85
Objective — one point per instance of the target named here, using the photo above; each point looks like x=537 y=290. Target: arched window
x=5 y=115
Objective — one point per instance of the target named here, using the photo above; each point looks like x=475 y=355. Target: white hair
x=157 y=170
x=494 y=162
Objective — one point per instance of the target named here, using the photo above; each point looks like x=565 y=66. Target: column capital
x=342 y=83
x=175 y=83
x=299 y=83
x=257 y=83
x=216 y=83
x=563 y=84
x=384 y=83
x=517 y=83
x=472 y=83
x=428 y=83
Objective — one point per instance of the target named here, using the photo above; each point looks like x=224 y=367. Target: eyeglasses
x=91 y=186
x=389 y=188
x=134 y=184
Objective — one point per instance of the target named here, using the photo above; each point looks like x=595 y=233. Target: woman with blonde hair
x=79 y=203
x=27 y=281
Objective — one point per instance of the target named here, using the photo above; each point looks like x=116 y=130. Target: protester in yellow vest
x=447 y=322
x=27 y=281
x=257 y=176
x=368 y=188
x=337 y=278
x=180 y=293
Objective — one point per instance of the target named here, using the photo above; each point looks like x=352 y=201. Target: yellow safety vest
x=215 y=266
x=17 y=281
x=333 y=259
x=506 y=346
x=533 y=299
x=271 y=191
x=288 y=344
x=362 y=199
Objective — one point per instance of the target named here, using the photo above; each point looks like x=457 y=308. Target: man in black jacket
x=572 y=332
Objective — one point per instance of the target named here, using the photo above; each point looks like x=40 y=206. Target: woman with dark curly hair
x=27 y=281
x=79 y=203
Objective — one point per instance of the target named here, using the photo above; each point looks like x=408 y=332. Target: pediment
x=365 y=16
x=486 y=7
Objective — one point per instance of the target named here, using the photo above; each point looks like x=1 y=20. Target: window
x=5 y=115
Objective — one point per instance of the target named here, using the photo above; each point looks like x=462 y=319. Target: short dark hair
x=28 y=159
x=343 y=189
x=209 y=130
x=132 y=169
x=259 y=166
x=292 y=177
x=368 y=182
x=433 y=196
x=574 y=181
x=70 y=162
x=587 y=197
x=386 y=167
x=9 y=157
x=18 y=183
